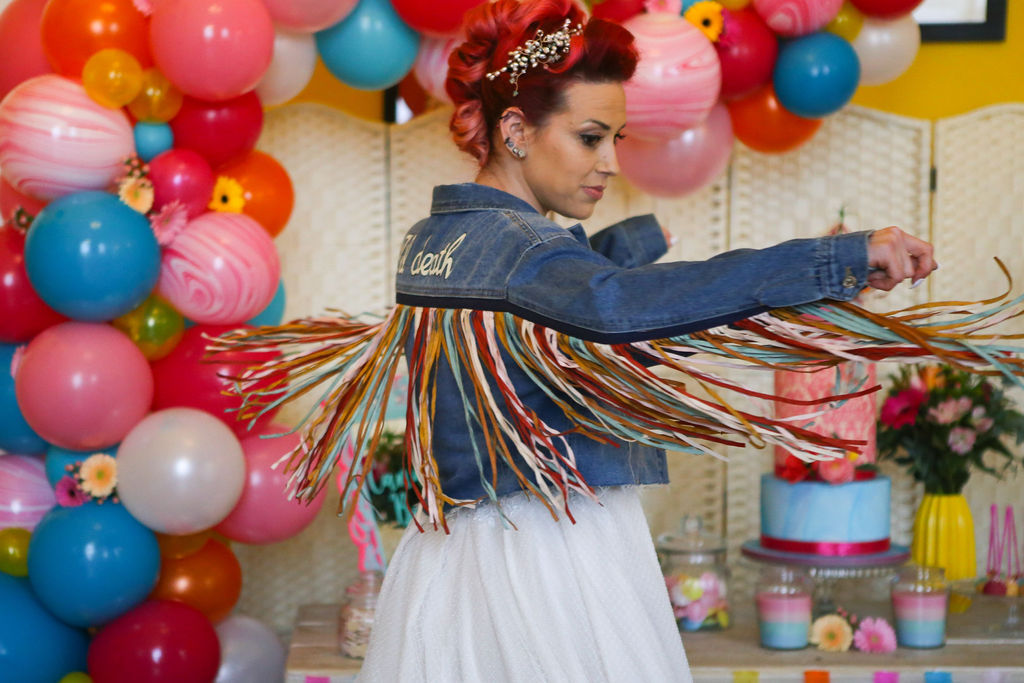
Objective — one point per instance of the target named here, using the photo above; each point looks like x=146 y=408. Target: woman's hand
x=894 y=256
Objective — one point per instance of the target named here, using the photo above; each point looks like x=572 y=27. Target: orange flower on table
x=98 y=475
x=831 y=633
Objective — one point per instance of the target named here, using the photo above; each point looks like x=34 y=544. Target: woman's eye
x=590 y=140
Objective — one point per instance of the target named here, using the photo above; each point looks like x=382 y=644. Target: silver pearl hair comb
x=542 y=49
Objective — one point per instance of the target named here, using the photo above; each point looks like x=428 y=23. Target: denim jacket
x=484 y=249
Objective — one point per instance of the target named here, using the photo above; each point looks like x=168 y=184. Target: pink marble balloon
x=221 y=269
x=797 y=17
x=25 y=493
x=431 y=67
x=54 y=140
x=677 y=80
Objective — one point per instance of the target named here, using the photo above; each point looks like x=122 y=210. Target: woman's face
x=571 y=157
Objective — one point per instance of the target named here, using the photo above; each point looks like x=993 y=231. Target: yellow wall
x=953 y=78
x=945 y=79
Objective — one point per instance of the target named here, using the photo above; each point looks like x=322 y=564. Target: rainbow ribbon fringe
x=606 y=390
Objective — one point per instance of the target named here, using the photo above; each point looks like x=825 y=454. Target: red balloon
x=22 y=313
x=747 y=53
x=886 y=9
x=159 y=641
x=184 y=378
x=12 y=200
x=219 y=131
x=183 y=175
x=209 y=579
x=760 y=122
x=618 y=10
x=437 y=18
x=21 y=45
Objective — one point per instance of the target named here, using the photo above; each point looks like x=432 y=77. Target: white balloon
x=180 y=471
x=886 y=48
x=290 y=69
x=250 y=652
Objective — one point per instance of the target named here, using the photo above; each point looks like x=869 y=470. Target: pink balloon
x=83 y=386
x=308 y=15
x=212 y=50
x=25 y=493
x=431 y=67
x=219 y=131
x=677 y=80
x=11 y=200
x=54 y=140
x=222 y=269
x=263 y=513
x=681 y=165
x=21 y=46
x=182 y=175
x=797 y=17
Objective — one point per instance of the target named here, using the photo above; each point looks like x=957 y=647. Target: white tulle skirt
x=551 y=601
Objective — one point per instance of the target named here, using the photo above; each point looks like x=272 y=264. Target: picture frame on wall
x=954 y=21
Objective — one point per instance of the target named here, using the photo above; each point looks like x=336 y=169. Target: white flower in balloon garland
x=93 y=479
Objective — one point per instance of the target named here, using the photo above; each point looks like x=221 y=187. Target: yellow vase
x=944 y=535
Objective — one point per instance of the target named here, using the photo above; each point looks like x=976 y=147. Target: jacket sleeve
x=633 y=242
x=561 y=284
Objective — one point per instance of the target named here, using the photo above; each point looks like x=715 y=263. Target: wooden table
x=715 y=657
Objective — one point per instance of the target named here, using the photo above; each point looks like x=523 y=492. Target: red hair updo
x=603 y=53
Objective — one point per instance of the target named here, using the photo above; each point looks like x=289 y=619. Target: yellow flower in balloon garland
x=98 y=475
x=228 y=195
x=707 y=16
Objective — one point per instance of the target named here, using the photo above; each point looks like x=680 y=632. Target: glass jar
x=357 y=611
x=920 y=597
x=783 y=599
x=693 y=563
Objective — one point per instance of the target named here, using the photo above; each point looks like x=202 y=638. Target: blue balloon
x=57 y=460
x=152 y=139
x=273 y=314
x=91 y=257
x=92 y=563
x=15 y=434
x=371 y=48
x=35 y=647
x=816 y=75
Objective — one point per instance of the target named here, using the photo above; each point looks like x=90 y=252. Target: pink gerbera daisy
x=875 y=635
x=68 y=493
x=170 y=220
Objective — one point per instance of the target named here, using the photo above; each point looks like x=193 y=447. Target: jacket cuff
x=634 y=242
x=846 y=272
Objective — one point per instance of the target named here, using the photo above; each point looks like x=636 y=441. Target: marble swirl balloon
x=677 y=79
x=222 y=268
x=431 y=67
x=792 y=18
x=25 y=493
x=55 y=140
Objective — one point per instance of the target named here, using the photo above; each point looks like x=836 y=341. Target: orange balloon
x=267 y=189
x=209 y=580
x=760 y=122
x=177 y=547
x=73 y=30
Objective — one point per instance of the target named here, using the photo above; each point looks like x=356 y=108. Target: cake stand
x=826 y=570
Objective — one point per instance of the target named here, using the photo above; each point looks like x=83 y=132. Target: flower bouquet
x=942 y=423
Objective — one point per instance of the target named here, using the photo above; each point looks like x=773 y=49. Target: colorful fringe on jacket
x=604 y=389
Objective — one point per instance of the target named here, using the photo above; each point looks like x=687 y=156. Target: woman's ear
x=512 y=130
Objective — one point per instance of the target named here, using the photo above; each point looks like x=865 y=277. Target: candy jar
x=357 y=611
x=920 y=600
x=693 y=563
x=783 y=598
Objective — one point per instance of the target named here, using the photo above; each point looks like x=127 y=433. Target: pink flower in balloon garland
x=168 y=222
x=97 y=476
x=875 y=635
x=68 y=493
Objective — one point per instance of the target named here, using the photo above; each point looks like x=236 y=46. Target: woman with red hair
x=532 y=418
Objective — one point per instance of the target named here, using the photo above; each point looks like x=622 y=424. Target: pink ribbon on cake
x=825 y=548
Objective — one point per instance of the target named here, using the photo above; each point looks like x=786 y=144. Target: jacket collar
x=476 y=197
